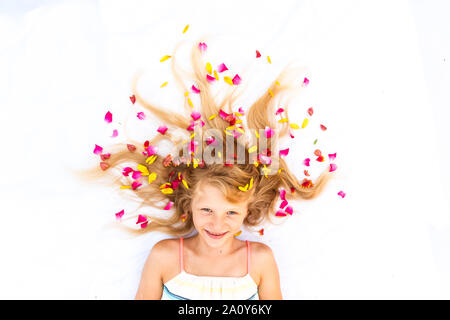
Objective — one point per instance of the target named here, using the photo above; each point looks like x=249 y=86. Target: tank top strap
x=248 y=256
x=181 y=255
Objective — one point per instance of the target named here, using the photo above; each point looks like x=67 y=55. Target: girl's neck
x=201 y=247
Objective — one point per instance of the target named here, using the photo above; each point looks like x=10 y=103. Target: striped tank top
x=186 y=286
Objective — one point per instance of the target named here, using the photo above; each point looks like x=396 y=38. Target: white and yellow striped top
x=186 y=286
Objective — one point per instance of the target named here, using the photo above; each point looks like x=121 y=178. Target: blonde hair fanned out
x=183 y=175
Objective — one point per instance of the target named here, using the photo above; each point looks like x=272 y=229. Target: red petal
x=202 y=46
x=131 y=147
x=143 y=225
x=258 y=54
x=162 y=129
x=126 y=171
x=168 y=205
x=115 y=133
x=210 y=79
x=283 y=194
x=236 y=80
x=317 y=152
x=141 y=219
x=141 y=115
x=332 y=156
x=104 y=165
x=136 y=174
x=108 y=117
x=280 y=213
x=323 y=127
x=283 y=204
x=289 y=210
x=261 y=232
x=196 y=115
x=119 y=215
x=133 y=99
x=305 y=82
x=310 y=111
x=306 y=173
x=280 y=110
x=320 y=158
x=284 y=152
x=195 y=89
x=136 y=184
x=105 y=156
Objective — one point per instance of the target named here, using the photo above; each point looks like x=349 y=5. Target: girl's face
x=216 y=219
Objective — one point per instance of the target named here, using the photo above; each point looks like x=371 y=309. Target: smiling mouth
x=215 y=235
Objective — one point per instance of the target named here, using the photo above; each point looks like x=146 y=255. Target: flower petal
x=283 y=194
x=115 y=133
x=143 y=170
x=283 y=204
x=269 y=132
x=152 y=177
x=133 y=99
x=289 y=210
x=208 y=68
x=141 y=219
x=185 y=28
x=305 y=123
x=306 y=162
x=222 y=67
x=317 y=152
x=196 y=115
x=202 y=46
x=164 y=84
x=228 y=80
x=108 y=117
x=162 y=129
x=105 y=156
x=305 y=82
x=210 y=79
x=135 y=185
x=280 y=110
x=341 y=193
x=236 y=79
x=136 y=175
x=261 y=232
x=333 y=167
x=120 y=214
x=284 y=152
x=98 y=149
x=168 y=205
x=126 y=171
x=195 y=89
x=280 y=213
x=104 y=165
x=332 y=156
x=323 y=127
x=268 y=59
x=306 y=173
x=258 y=54
x=310 y=111
x=141 y=115
x=164 y=58
x=131 y=147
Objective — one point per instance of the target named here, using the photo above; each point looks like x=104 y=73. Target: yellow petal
x=164 y=84
x=164 y=58
x=243 y=188
x=256 y=164
x=237 y=234
x=240 y=115
x=151 y=159
x=220 y=155
x=238 y=121
x=228 y=80
x=230 y=134
x=125 y=187
x=167 y=190
x=208 y=67
x=192 y=135
x=143 y=170
x=268 y=59
x=283 y=120
x=252 y=149
x=251 y=184
x=240 y=130
x=186 y=93
x=270 y=92
x=190 y=103
x=195 y=163
x=185 y=183
x=212 y=117
x=216 y=75
x=305 y=123
x=185 y=28
x=231 y=128
x=294 y=126
x=277 y=82
x=152 y=177
x=257 y=134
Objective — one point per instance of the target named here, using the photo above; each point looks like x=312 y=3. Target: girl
x=235 y=181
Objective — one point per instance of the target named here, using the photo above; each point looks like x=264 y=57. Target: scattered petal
x=320 y=158
x=216 y=75
x=284 y=152
x=126 y=171
x=210 y=140
x=305 y=82
x=252 y=149
x=185 y=183
x=332 y=156
x=141 y=115
x=115 y=133
x=196 y=115
x=190 y=102
x=305 y=123
x=258 y=54
x=152 y=177
x=143 y=170
x=292 y=190
x=210 y=79
x=131 y=147
x=283 y=194
x=168 y=205
x=125 y=187
x=120 y=214
x=283 y=120
x=104 y=165
x=164 y=58
x=283 y=204
x=141 y=219
x=333 y=167
x=222 y=67
x=133 y=99
x=271 y=94
x=310 y=111
x=306 y=162
x=135 y=185
x=164 y=84
x=167 y=190
x=341 y=193
x=162 y=129
x=269 y=132
x=228 y=80
x=183 y=217
x=315 y=141
x=280 y=110
x=105 y=156
x=236 y=79
x=98 y=149
x=261 y=232
x=167 y=160
x=208 y=68
x=268 y=59
x=143 y=225
x=212 y=117
x=202 y=46
x=307 y=183
x=195 y=89
x=317 y=152
x=108 y=117
x=323 y=127
x=136 y=175
x=237 y=234
x=280 y=213
x=185 y=28
x=289 y=210
x=294 y=126
x=306 y=173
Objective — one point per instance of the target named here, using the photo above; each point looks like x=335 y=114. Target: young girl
x=236 y=181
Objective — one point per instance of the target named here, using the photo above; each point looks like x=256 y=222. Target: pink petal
x=141 y=219
x=136 y=174
x=269 y=132
x=211 y=140
x=136 y=184
x=333 y=167
x=341 y=193
x=126 y=171
x=305 y=81
x=105 y=156
x=98 y=149
x=162 y=129
x=236 y=79
x=210 y=79
x=283 y=204
x=194 y=89
x=168 y=205
x=241 y=111
x=306 y=162
x=143 y=225
x=280 y=213
x=119 y=215
x=115 y=133
x=196 y=115
x=284 y=152
x=223 y=114
x=280 y=110
x=151 y=150
x=222 y=68
x=191 y=127
x=141 y=115
x=108 y=117
x=202 y=46
x=289 y=210
x=202 y=123
x=332 y=156
x=283 y=194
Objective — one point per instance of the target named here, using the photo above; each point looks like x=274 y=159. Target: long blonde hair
x=183 y=175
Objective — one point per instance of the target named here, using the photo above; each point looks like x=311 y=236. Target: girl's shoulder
x=166 y=252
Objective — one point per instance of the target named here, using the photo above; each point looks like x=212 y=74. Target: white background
x=379 y=71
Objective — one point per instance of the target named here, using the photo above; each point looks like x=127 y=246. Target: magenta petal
x=98 y=149
x=152 y=150
x=194 y=89
x=306 y=162
x=333 y=167
x=168 y=205
x=269 y=132
x=136 y=184
x=280 y=110
x=222 y=67
x=283 y=204
x=115 y=133
x=162 y=129
x=191 y=127
x=236 y=79
x=126 y=171
x=223 y=114
x=241 y=111
x=280 y=213
x=202 y=46
x=136 y=174
x=108 y=117
x=143 y=225
x=210 y=79
x=141 y=219
x=332 y=156
x=305 y=81
x=289 y=210
x=141 y=115
x=341 y=193
x=202 y=123
x=119 y=215
x=284 y=152
x=283 y=194
x=196 y=115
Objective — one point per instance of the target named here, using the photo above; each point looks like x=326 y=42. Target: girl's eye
x=206 y=209
x=232 y=213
